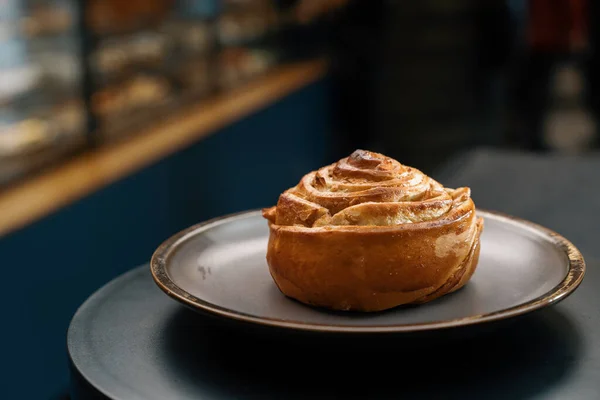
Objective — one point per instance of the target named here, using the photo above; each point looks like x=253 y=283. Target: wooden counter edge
x=43 y=194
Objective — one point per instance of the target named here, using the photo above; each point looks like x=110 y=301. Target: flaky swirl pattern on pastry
x=368 y=233
x=365 y=189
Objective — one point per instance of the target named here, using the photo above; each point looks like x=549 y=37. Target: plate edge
x=567 y=286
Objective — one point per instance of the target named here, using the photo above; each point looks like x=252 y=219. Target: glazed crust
x=369 y=234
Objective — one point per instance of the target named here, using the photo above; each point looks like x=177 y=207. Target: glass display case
x=42 y=112
x=247 y=33
x=149 y=57
x=78 y=73
x=143 y=58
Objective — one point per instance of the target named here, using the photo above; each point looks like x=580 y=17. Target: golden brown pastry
x=368 y=233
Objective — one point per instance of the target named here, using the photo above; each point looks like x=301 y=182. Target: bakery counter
x=70 y=230
x=39 y=196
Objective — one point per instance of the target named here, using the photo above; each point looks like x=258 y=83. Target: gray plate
x=219 y=267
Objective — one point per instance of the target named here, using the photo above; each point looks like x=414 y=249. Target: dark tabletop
x=130 y=338
x=560 y=192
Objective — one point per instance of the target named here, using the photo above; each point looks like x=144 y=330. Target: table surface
x=130 y=341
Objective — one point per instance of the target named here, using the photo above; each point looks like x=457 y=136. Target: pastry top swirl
x=366 y=189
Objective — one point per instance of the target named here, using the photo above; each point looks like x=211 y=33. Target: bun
x=368 y=234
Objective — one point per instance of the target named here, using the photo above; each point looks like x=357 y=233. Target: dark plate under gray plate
x=220 y=267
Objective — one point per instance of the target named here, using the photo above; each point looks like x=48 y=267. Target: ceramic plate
x=219 y=267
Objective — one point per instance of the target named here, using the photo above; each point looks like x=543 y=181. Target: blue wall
x=51 y=267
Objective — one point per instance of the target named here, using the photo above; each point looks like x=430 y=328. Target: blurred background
x=418 y=81
x=122 y=122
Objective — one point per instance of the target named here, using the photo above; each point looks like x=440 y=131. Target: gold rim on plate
x=574 y=276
